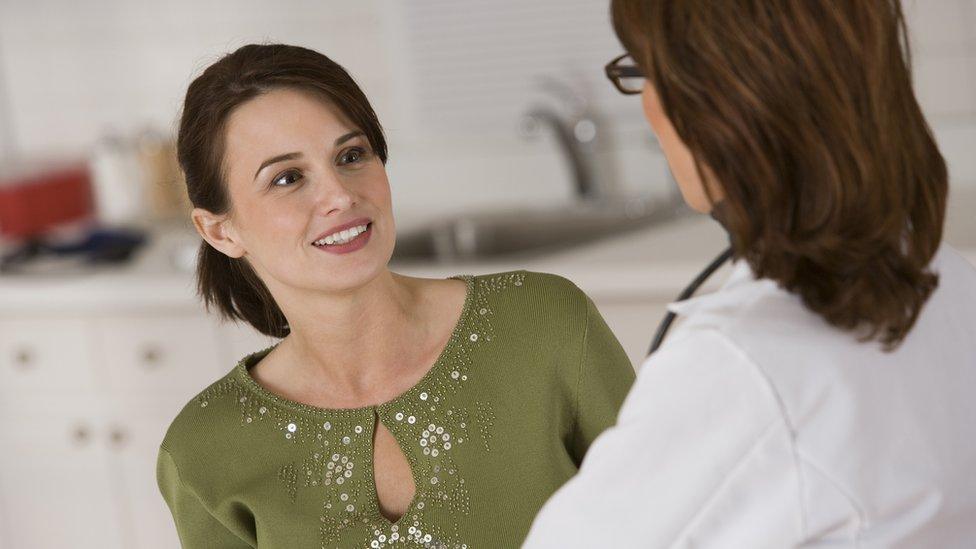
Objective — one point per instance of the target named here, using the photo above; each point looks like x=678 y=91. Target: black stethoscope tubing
x=662 y=328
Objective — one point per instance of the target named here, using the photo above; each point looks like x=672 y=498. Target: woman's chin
x=351 y=276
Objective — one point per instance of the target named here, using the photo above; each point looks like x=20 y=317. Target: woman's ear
x=218 y=231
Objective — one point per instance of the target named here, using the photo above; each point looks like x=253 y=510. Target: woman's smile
x=346 y=238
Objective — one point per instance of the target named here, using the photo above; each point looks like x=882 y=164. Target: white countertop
x=658 y=262
x=654 y=263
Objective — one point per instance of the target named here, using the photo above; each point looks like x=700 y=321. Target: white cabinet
x=57 y=488
x=36 y=354
x=85 y=401
x=240 y=340
x=163 y=359
x=135 y=439
x=151 y=366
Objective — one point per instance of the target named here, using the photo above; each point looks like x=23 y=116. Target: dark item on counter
x=97 y=247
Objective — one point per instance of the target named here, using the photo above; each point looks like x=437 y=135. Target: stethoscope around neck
x=662 y=328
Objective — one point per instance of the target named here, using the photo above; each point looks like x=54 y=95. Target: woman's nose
x=332 y=196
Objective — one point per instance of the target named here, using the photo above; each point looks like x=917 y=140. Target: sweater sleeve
x=604 y=377
x=196 y=525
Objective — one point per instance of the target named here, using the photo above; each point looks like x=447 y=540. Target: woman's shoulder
x=533 y=301
x=209 y=420
x=552 y=289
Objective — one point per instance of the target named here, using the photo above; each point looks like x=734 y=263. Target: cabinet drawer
x=48 y=356
x=56 y=486
x=135 y=443
x=168 y=359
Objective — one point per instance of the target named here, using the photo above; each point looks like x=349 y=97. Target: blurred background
x=508 y=149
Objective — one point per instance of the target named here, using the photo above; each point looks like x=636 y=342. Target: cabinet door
x=133 y=439
x=56 y=486
x=240 y=340
x=162 y=360
x=153 y=366
x=40 y=355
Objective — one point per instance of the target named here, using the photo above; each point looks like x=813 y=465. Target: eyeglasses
x=626 y=76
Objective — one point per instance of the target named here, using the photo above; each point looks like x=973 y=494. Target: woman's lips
x=339 y=228
x=355 y=244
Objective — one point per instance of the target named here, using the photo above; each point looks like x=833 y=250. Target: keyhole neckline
x=376 y=421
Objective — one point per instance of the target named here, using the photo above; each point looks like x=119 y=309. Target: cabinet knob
x=24 y=358
x=80 y=435
x=152 y=357
x=118 y=437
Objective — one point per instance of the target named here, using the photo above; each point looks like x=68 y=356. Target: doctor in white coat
x=824 y=397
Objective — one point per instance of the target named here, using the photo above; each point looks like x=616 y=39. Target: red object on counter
x=36 y=202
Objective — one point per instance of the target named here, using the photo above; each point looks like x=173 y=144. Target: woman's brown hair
x=803 y=111
x=230 y=285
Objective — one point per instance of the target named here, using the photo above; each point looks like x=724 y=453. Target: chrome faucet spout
x=569 y=145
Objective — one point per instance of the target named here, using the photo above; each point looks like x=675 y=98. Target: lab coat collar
x=741 y=282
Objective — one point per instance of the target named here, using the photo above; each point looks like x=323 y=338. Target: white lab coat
x=759 y=425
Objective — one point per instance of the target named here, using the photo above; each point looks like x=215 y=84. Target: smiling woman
x=233 y=127
x=395 y=410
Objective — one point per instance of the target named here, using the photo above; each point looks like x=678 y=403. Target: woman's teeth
x=341 y=237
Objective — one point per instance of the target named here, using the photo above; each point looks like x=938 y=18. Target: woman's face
x=297 y=171
x=679 y=157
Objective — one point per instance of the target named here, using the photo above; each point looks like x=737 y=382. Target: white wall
x=78 y=70
x=943 y=37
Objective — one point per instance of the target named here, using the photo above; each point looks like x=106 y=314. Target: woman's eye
x=286 y=179
x=352 y=156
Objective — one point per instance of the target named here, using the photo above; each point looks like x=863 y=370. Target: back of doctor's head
x=805 y=113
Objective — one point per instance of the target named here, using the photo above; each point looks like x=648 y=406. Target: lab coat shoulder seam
x=784 y=416
x=837 y=485
x=770 y=431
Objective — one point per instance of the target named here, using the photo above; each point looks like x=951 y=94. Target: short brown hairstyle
x=230 y=285
x=804 y=112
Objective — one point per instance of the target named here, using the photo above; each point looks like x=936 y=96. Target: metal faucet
x=574 y=124
x=570 y=145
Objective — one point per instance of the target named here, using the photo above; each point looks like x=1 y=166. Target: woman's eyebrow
x=293 y=155
x=274 y=159
x=347 y=137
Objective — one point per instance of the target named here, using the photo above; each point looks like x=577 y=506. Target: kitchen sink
x=596 y=213
x=529 y=232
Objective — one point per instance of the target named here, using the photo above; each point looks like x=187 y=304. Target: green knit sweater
x=530 y=376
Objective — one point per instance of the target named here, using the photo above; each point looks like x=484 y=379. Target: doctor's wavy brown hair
x=230 y=284
x=804 y=112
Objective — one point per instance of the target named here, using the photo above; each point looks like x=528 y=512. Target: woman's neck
x=358 y=342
